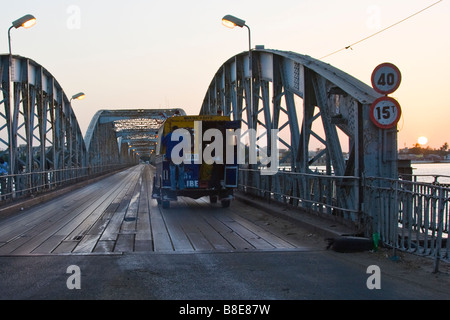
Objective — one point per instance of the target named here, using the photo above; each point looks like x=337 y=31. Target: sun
x=422 y=140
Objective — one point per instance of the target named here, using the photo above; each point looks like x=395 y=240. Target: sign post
x=385 y=112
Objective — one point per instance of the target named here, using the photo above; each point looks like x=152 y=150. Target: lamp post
x=27 y=21
x=230 y=21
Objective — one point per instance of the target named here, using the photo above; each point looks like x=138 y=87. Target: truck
x=195 y=157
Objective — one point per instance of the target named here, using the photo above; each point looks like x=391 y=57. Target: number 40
x=386 y=79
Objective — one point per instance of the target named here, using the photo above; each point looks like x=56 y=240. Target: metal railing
x=407 y=215
x=314 y=191
x=410 y=216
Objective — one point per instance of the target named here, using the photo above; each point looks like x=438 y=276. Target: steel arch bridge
x=308 y=101
x=38 y=129
x=120 y=136
x=305 y=99
x=41 y=144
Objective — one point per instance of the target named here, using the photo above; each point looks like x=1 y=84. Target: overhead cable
x=382 y=30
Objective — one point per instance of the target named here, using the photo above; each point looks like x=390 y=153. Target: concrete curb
x=327 y=228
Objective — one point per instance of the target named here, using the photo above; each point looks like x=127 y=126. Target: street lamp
x=78 y=96
x=27 y=21
x=230 y=21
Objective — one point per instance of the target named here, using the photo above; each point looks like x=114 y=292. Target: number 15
x=384 y=112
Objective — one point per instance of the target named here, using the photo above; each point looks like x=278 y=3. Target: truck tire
x=226 y=203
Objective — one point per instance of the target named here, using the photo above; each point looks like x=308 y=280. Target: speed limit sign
x=385 y=112
x=386 y=78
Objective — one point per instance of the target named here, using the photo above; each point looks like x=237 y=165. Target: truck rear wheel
x=213 y=199
x=226 y=203
x=166 y=204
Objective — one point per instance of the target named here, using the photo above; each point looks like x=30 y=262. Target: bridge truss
x=310 y=103
x=124 y=136
x=41 y=144
x=38 y=128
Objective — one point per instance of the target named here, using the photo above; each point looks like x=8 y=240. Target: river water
x=426 y=171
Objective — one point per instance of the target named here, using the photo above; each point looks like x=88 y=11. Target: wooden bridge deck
x=117 y=215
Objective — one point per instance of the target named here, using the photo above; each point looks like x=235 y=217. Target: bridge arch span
x=39 y=131
x=124 y=135
x=308 y=101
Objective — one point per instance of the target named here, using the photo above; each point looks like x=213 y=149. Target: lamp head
x=79 y=96
x=27 y=21
x=231 y=21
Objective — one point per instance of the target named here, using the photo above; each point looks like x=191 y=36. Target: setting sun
x=422 y=140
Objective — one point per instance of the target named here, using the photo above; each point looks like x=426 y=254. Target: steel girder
x=293 y=93
x=124 y=136
x=38 y=128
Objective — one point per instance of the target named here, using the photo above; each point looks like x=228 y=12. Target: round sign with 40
x=386 y=78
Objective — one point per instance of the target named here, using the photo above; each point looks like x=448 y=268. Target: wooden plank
x=99 y=226
x=143 y=228
x=271 y=238
x=26 y=242
x=49 y=245
x=45 y=230
x=161 y=238
x=188 y=224
x=65 y=247
x=254 y=239
x=124 y=243
x=87 y=244
x=29 y=219
x=39 y=225
x=217 y=241
x=129 y=223
x=143 y=245
x=113 y=228
x=84 y=221
x=235 y=240
x=104 y=246
x=178 y=236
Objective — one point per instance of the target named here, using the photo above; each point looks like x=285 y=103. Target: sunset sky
x=159 y=54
